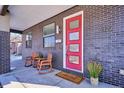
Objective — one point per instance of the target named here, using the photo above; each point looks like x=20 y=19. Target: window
x=49 y=41
x=74 y=59
x=74 y=47
x=74 y=24
x=29 y=40
x=49 y=35
x=74 y=36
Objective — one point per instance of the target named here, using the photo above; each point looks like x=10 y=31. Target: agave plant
x=94 y=69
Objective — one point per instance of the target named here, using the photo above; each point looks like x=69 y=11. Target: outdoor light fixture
x=57 y=29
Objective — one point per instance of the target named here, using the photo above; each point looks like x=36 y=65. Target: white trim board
x=64 y=40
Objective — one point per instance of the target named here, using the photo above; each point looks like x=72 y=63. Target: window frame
x=49 y=35
x=28 y=45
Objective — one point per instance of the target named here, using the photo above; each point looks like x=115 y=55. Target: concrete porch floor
x=28 y=77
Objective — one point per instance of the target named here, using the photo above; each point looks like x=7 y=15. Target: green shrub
x=94 y=69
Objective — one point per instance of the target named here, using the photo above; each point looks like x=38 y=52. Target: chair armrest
x=43 y=59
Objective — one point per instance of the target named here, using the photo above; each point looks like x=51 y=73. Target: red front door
x=74 y=42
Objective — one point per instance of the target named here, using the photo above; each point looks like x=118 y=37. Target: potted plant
x=40 y=55
x=94 y=70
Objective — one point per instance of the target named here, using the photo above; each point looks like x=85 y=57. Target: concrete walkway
x=28 y=77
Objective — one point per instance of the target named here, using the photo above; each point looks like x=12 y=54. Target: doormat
x=70 y=77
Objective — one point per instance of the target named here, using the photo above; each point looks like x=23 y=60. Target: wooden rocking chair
x=45 y=62
x=30 y=59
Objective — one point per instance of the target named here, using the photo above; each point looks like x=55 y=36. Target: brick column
x=4 y=44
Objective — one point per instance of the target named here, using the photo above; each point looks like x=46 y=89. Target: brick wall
x=4 y=52
x=103 y=40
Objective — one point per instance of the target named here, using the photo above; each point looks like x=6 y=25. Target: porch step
x=10 y=82
x=13 y=68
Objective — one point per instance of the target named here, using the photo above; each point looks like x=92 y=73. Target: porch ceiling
x=25 y=16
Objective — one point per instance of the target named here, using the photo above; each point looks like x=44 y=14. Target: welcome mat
x=70 y=77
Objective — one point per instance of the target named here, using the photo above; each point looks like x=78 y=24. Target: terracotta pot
x=94 y=81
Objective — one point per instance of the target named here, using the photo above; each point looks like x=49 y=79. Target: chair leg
x=39 y=68
x=37 y=64
x=29 y=63
x=50 y=67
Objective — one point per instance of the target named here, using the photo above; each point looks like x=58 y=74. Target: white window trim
x=48 y=35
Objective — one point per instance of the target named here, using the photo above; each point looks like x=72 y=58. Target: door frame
x=64 y=41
